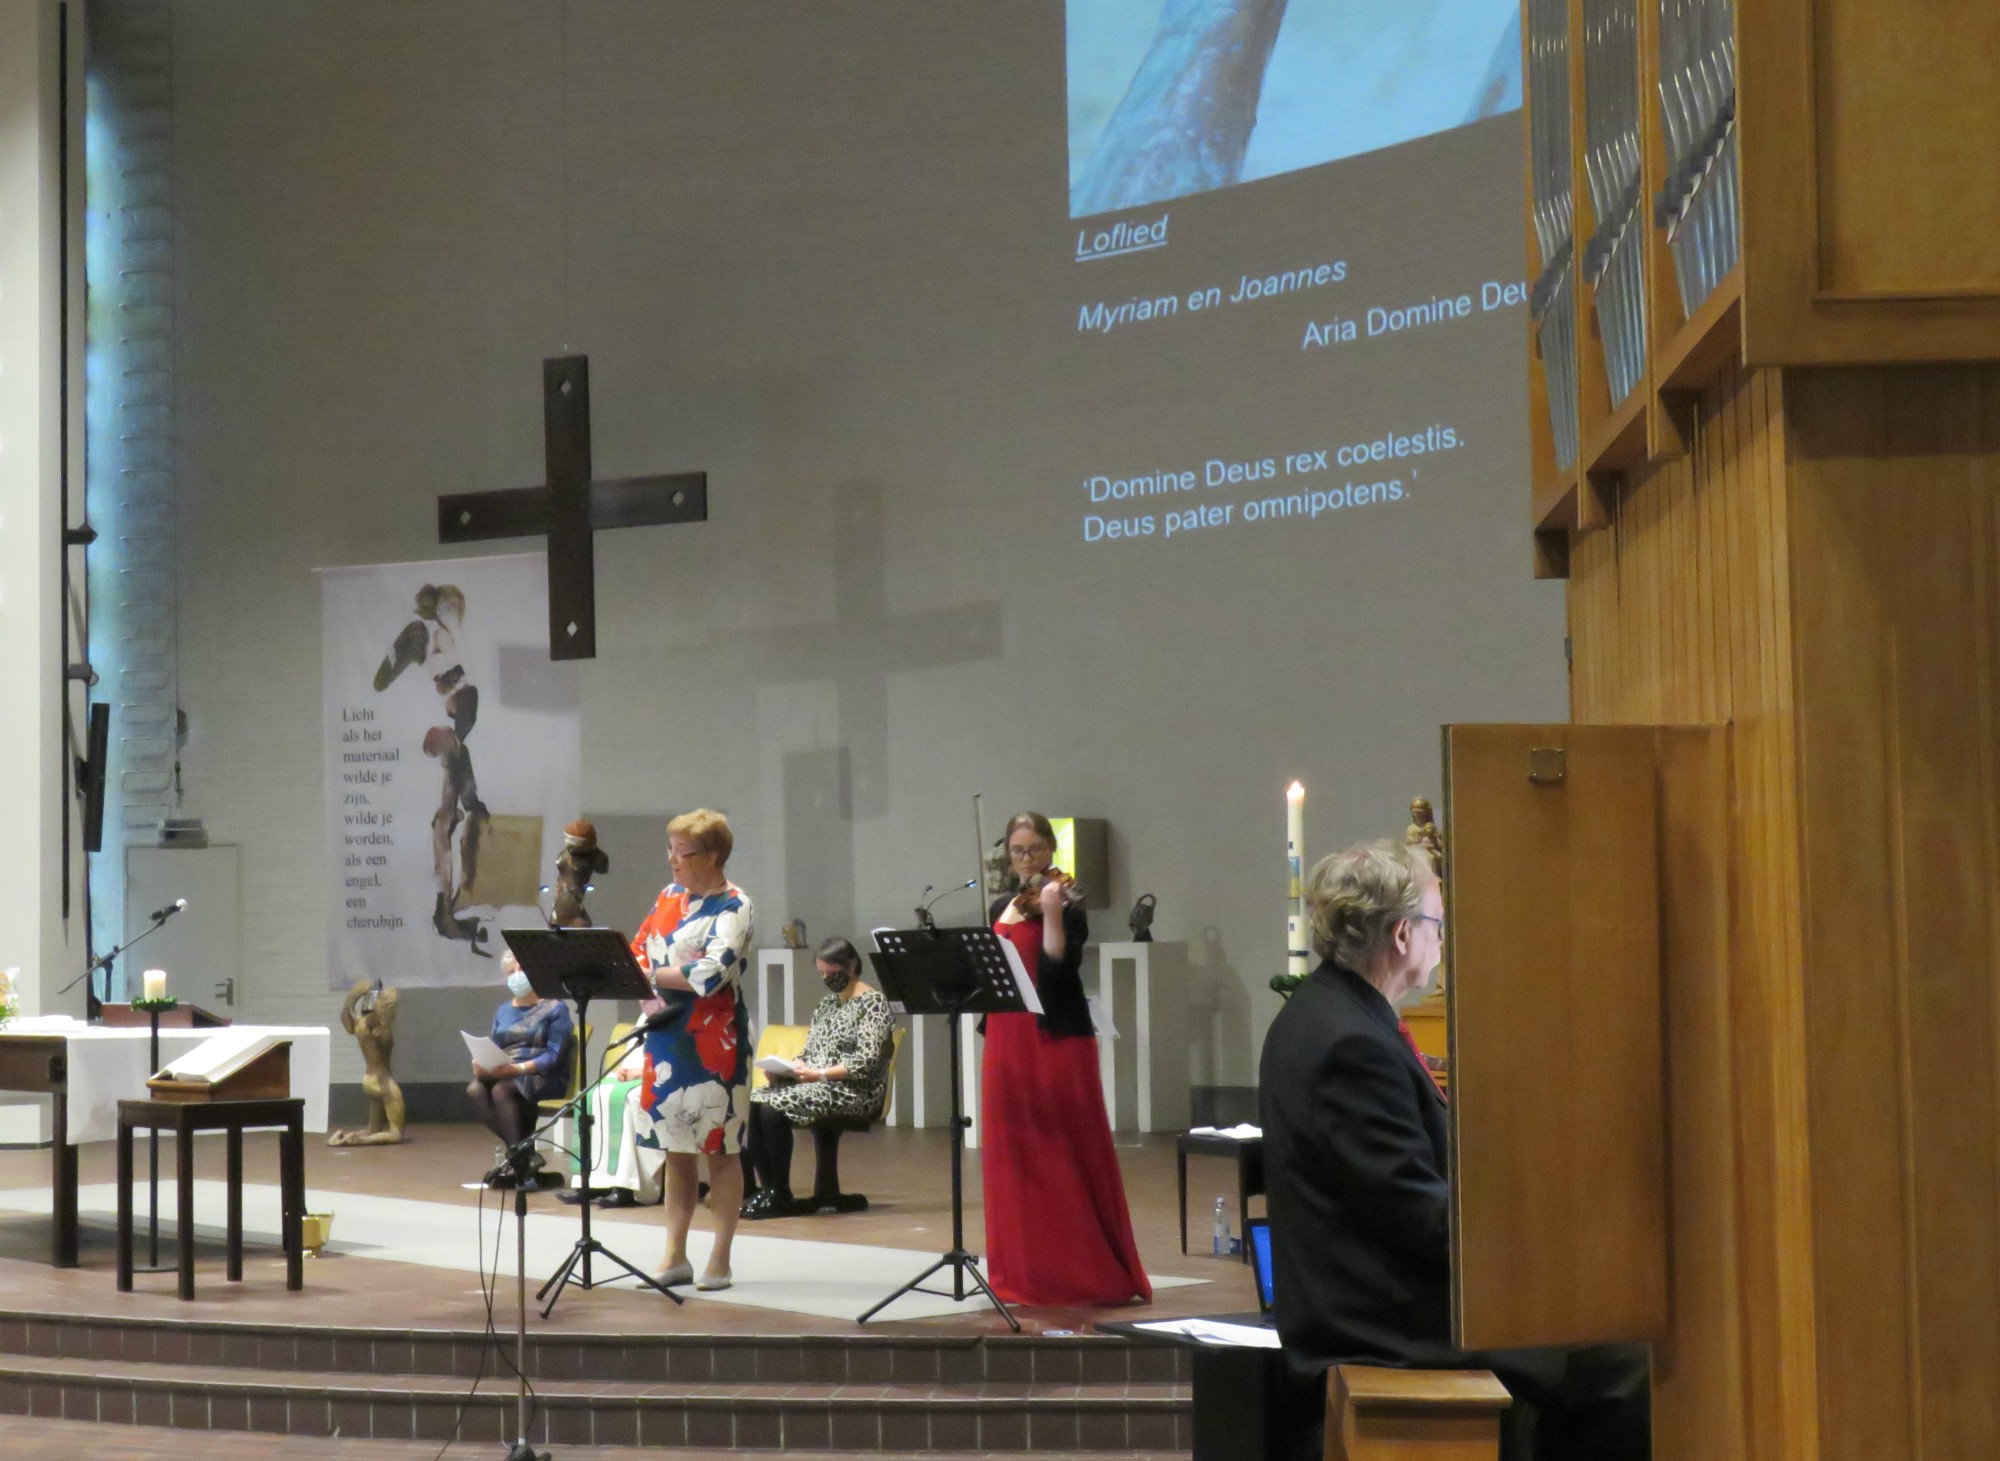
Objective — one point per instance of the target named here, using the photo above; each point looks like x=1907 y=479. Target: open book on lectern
x=219 y=1057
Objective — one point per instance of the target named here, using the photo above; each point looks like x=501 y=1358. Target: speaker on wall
x=97 y=757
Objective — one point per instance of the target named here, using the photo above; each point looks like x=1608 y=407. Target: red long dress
x=1058 y=1232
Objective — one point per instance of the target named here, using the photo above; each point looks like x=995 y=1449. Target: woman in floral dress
x=696 y=1091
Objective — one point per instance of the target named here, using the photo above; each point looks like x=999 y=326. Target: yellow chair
x=557 y=1138
x=618 y=1032
x=787 y=1042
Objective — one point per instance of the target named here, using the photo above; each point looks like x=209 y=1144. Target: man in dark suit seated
x=1355 y=1166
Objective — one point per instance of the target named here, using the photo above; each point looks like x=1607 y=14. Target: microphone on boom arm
x=161 y=915
x=925 y=920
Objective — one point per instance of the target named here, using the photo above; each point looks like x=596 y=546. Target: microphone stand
x=93 y=1007
x=519 y=1169
x=585 y=1246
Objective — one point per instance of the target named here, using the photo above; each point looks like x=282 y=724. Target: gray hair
x=1355 y=899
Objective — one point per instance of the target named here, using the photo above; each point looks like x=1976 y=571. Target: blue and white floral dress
x=696 y=1091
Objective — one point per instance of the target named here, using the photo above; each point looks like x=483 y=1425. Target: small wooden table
x=1248 y=1154
x=40 y=1063
x=184 y=1119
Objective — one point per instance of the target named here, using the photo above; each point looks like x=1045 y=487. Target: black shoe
x=618 y=1197
x=766 y=1203
x=500 y=1179
x=573 y=1196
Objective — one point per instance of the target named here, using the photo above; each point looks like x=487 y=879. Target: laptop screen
x=1258 y=1233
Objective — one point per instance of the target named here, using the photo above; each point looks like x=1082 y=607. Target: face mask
x=836 y=981
x=518 y=985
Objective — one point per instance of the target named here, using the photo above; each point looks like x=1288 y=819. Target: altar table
x=88 y=1069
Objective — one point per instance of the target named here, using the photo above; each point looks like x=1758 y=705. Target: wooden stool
x=1413 y=1415
x=184 y=1119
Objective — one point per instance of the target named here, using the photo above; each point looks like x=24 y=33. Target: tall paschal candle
x=1295 y=846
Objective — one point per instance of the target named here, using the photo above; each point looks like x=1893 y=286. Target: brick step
x=891 y=1417
x=60 y=1440
x=873 y=1357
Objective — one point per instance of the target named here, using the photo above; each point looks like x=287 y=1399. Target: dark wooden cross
x=571 y=507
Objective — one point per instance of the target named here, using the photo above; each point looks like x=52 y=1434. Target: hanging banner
x=452 y=764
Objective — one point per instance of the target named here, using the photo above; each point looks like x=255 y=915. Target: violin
x=1028 y=902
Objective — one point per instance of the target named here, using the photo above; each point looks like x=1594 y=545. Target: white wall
x=33 y=931
x=817 y=250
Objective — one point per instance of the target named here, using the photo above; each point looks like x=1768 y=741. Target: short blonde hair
x=1355 y=899
x=707 y=830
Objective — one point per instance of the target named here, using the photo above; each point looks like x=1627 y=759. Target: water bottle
x=1221 y=1229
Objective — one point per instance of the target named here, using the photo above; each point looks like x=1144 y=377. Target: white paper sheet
x=483 y=1050
x=774 y=1065
x=1243 y=1336
x=1029 y=996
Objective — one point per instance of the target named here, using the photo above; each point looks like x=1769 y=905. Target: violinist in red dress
x=1058 y=1231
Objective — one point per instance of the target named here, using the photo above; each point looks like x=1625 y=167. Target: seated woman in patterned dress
x=843 y=1071
x=696 y=1091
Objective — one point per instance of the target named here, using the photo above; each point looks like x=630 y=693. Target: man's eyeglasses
x=1429 y=918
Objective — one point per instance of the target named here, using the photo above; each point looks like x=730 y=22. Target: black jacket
x=1356 y=1179
x=1059 y=982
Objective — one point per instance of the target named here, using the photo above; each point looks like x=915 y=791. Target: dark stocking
x=770 y=1150
x=501 y=1108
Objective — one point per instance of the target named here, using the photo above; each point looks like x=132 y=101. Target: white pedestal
x=783 y=991
x=1145 y=990
x=922 y=1089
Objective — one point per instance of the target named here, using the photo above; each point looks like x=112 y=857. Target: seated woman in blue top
x=536 y=1035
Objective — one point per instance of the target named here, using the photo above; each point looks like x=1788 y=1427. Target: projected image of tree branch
x=1169 y=98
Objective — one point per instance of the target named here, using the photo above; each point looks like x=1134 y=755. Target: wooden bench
x=1377 y=1414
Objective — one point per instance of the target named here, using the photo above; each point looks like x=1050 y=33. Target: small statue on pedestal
x=369 y=1015
x=580 y=860
x=1141 y=919
x=1423 y=832
x=794 y=934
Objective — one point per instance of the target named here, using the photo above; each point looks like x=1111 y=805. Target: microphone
x=924 y=918
x=161 y=915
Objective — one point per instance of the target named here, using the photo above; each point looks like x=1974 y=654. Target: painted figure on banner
x=432 y=638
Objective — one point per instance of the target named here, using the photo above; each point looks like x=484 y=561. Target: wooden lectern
x=266 y=1076
x=181 y=1017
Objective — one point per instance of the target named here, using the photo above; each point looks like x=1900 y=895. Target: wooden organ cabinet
x=1765 y=854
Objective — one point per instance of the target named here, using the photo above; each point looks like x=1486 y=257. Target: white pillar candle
x=1296 y=961
x=156 y=984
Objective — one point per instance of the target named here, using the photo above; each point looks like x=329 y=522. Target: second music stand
x=953 y=972
x=582 y=964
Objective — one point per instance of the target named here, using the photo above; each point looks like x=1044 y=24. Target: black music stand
x=953 y=972
x=582 y=964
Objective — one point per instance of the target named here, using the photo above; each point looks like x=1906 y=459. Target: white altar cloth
x=108 y=1065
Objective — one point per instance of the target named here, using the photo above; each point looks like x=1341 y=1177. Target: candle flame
x=1296 y=792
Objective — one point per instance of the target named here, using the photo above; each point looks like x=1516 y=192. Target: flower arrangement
x=10 y=1000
